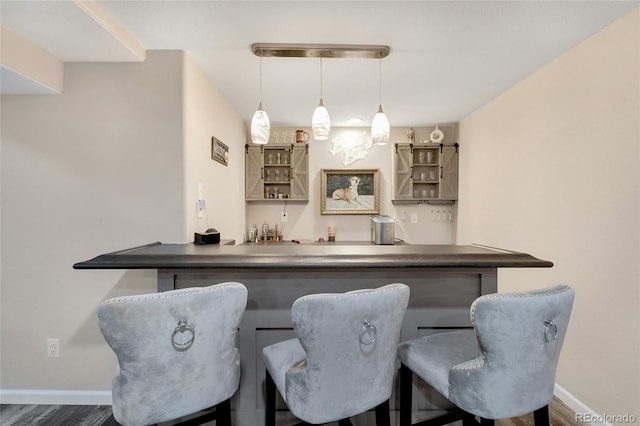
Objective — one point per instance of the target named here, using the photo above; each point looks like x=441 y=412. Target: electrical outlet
x=284 y=217
x=53 y=348
x=414 y=217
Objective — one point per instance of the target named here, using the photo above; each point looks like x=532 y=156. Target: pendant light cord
x=260 y=77
x=380 y=79
x=320 y=77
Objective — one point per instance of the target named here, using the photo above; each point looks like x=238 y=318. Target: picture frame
x=350 y=191
x=219 y=151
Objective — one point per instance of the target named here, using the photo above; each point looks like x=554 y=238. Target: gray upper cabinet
x=254 y=185
x=449 y=172
x=299 y=186
x=277 y=172
x=404 y=164
x=426 y=173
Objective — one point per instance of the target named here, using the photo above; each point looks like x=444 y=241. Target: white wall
x=99 y=168
x=207 y=114
x=306 y=222
x=552 y=168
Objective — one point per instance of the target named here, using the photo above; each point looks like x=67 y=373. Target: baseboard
x=588 y=416
x=54 y=397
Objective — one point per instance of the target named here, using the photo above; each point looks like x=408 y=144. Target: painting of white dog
x=350 y=192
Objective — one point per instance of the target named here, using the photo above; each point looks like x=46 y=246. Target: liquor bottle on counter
x=253 y=234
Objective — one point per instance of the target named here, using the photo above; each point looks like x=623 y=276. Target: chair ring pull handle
x=181 y=344
x=550 y=331
x=368 y=333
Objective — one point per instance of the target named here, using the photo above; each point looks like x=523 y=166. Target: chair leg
x=223 y=413
x=541 y=416
x=406 y=375
x=469 y=420
x=382 y=414
x=270 y=401
x=205 y=416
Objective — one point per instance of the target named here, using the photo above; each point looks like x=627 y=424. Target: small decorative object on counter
x=332 y=233
x=210 y=236
x=253 y=233
x=265 y=229
x=382 y=229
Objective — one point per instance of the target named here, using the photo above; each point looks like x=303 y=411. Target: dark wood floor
x=100 y=415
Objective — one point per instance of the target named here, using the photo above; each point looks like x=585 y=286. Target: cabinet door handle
x=441 y=173
x=262 y=173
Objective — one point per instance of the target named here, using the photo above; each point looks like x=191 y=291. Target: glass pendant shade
x=260 y=127
x=380 y=128
x=320 y=123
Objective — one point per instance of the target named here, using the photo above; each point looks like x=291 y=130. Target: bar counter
x=444 y=281
x=314 y=255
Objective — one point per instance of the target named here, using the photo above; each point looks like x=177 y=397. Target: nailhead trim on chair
x=354 y=293
x=166 y=295
x=558 y=289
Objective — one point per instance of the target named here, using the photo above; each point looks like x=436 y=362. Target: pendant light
x=260 y=126
x=380 y=125
x=320 y=123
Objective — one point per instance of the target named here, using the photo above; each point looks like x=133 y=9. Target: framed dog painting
x=350 y=191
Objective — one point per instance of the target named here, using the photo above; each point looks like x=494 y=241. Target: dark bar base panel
x=444 y=281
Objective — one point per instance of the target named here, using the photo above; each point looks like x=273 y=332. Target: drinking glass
x=430 y=157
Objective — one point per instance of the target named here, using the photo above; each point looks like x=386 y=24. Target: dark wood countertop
x=315 y=255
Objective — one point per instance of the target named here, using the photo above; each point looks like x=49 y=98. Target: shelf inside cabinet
x=425 y=191
x=276 y=157
x=427 y=156
x=425 y=173
x=276 y=191
x=277 y=175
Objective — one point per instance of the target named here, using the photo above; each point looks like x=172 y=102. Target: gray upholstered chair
x=176 y=352
x=342 y=362
x=503 y=368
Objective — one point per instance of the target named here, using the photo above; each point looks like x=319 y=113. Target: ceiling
x=448 y=58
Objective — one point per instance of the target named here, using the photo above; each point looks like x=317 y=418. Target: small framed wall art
x=219 y=151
